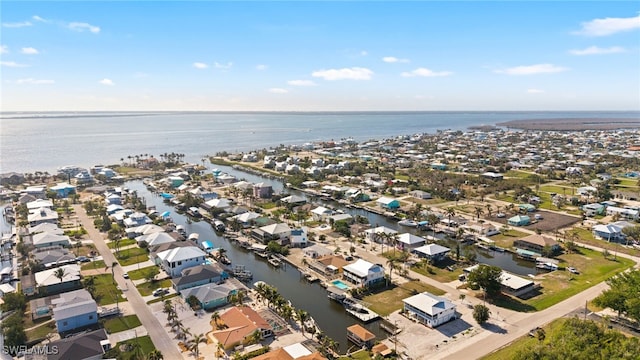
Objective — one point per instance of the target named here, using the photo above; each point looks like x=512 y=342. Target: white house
x=627 y=214
x=74 y=310
x=429 y=309
x=155 y=238
x=46 y=239
x=409 y=242
x=377 y=234
x=363 y=273
x=137 y=219
x=321 y=213
x=41 y=216
x=39 y=203
x=433 y=252
x=298 y=238
x=173 y=261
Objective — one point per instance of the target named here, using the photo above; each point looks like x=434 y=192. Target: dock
x=358 y=310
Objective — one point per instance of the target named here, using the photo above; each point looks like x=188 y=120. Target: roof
x=241 y=322
x=539 y=240
x=209 y=292
x=181 y=253
x=385 y=200
x=78 y=347
x=277 y=354
x=46 y=227
x=362 y=333
x=73 y=303
x=274 y=229
x=519 y=218
x=156 y=238
x=432 y=249
x=39 y=203
x=47 y=237
x=410 y=239
x=429 y=303
x=47 y=277
x=297 y=350
x=514 y=282
x=197 y=273
x=360 y=268
x=381 y=229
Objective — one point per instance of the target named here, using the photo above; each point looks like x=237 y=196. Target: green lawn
x=506 y=240
x=624 y=182
x=388 y=301
x=142 y=273
x=122 y=243
x=106 y=290
x=587 y=237
x=141 y=345
x=121 y=323
x=132 y=256
x=562 y=190
x=98 y=264
x=147 y=288
x=439 y=273
x=523 y=343
x=359 y=355
x=162 y=298
x=41 y=331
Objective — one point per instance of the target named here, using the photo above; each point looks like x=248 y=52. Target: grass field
x=586 y=237
x=562 y=190
x=142 y=273
x=41 y=331
x=358 y=355
x=522 y=344
x=147 y=288
x=123 y=243
x=388 y=301
x=132 y=256
x=141 y=346
x=99 y=264
x=506 y=240
x=121 y=323
x=439 y=272
x=106 y=290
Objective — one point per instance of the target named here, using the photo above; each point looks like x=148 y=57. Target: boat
x=241 y=273
x=408 y=223
x=275 y=262
x=218 y=225
x=193 y=237
x=225 y=260
x=311 y=278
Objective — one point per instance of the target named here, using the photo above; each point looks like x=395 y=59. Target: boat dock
x=358 y=310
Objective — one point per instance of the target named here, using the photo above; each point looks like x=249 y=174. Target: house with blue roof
x=388 y=203
x=519 y=220
x=63 y=190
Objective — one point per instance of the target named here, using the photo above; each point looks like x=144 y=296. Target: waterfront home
x=356 y=196
x=155 y=250
x=419 y=194
x=199 y=275
x=298 y=238
x=262 y=191
x=154 y=239
x=293 y=200
x=388 y=203
x=26 y=198
x=113 y=199
x=279 y=232
x=431 y=252
x=328 y=265
x=242 y=322
x=39 y=191
x=84 y=177
x=360 y=336
x=114 y=208
x=317 y=251
x=37 y=204
x=611 y=232
x=53 y=257
x=519 y=220
x=537 y=243
x=85 y=346
x=63 y=190
x=137 y=219
x=408 y=242
x=41 y=216
x=363 y=273
x=222 y=204
x=510 y=283
x=482 y=229
x=211 y=296
x=341 y=217
x=175 y=260
x=74 y=310
x=623 y=213
x=246 y=219
x=45 y=227
x=594 y=209
x=321 y=213
x=47 y=283
x=295 y=351
x=46 y=239
x=174 y=181
x=429 y=309
x=147 y=229
x=378 y=234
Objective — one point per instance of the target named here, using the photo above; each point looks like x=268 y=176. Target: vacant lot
x=388 y=301
x=551 y=221
x=131 y=256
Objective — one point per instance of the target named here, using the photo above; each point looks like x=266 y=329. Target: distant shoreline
x=572 y=124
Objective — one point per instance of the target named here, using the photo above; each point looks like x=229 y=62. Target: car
x=500 y=215
x=348 y=258
x=160 y=292
x=538 y=217
x=83 y=259
x=125 y=275
x=573 y=270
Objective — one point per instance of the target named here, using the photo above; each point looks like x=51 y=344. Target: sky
x=319 y=56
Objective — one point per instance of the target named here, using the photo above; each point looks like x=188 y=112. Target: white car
x=573 y=270
x=500 y=215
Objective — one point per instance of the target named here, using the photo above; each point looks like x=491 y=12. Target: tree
x=155 y=354
x=14 y=301
x=391 y=262
x=60 y=273
x=302 y=316
x=623 y=294
x=215 y=317
x=631 y=233
x=481 y=313
x=486 y=277
x=195 y=341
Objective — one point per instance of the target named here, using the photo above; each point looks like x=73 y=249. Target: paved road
x=156 y=331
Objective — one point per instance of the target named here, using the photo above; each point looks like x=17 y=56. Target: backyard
x=388 y=301
x=105 y=290
x=143 y=273
x=146 y=288
x=132 y=256
x=121 y=323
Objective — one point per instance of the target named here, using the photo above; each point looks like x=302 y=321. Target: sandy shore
x=572 y=124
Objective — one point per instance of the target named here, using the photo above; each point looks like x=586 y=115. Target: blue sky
x=309 y=56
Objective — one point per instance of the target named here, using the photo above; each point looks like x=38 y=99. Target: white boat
x=408 y=222
x=275 y=262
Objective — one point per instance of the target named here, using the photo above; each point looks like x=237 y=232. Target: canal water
x=329 y=315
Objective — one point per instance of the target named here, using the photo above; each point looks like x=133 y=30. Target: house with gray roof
x=86 y=346
x=74 y=310
x=175 y=260
x=211 y=296
x=199 y=275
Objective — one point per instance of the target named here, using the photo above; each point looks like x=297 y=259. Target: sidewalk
x=127 y=334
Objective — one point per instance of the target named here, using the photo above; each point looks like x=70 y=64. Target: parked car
x=500 y=215
x=125 y=275
x=538 y=217
x=573 y=270
x=83 y=259
x=160 y=292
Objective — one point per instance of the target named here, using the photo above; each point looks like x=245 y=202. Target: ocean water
x=46 y=141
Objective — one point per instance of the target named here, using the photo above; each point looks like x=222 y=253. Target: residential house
x=328 y=265
x=175 y=260
x=155 y=239
x=298 y=238
x=199 y=275
x=594 y=209
x=46 y=239
x=519 y=220
x=221 y=204
x=363 y=273
x=316 y=251
x=510 y=283
x=137 y=219
x=45 y=227
x=114 y=208
x=360 y=336
x=492 y=175
x=147 y=229
x=527 y=207
x=623 y=213
x=246 y=219
x=41 y=216
x=378 y=234
x=429 y=309
x=279 y=232
x=54 y=257
x=74 y=310
x=419 y=194
x=341 y=217
x=293 y=200
x=113 y=199
x=432 y=252
x=408 y=242
x=46 y=281
x=388 y=203
x=37 y=204
x=242 y=322
x=482 y=229
x=86 y=346
x=321 y=213
x=295 y=351
x=611 y=232
x=39 y=192
x=211 y=296
x=175 y=181
x=537 y=243
x=262 y=191
x=63 y=190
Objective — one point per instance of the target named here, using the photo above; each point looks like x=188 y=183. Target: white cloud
x=38 y=18
x=81 y=27
x=223 y=66
x=278 y=91
x=354 y=73
x=532 y=69
x=34 y=81
x=29 y=51
x=17 y=24
x=424 y=72
x=199 y=65
x=108 y=82
x=12 y=64
x=594 y=50
x=393 y=59
x=364 y=53
x=534 y=91
x=301 y=83
x=261 y=67
x=608 y=26
x=4 y=49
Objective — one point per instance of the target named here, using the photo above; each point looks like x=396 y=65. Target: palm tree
x=155 y=354
x=451 y=212
x=195 y=341
x=302 y=316
x=391 y=262
x=60 y=273
x=479 y=211
x=489 y=210
x=215 y=317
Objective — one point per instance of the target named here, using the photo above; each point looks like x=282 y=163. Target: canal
x=329 y=315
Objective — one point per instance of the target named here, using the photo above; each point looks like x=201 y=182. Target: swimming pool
x=340 y=285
